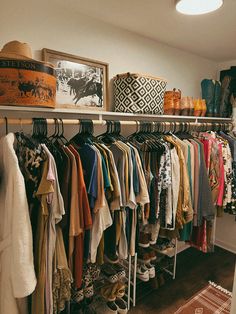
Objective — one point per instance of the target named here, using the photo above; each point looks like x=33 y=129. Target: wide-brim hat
x=19 y=51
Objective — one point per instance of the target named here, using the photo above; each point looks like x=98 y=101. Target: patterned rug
x=212 y=299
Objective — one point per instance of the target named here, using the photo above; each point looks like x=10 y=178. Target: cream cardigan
x=17 y=276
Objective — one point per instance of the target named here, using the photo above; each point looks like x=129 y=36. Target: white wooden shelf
x=101 y=115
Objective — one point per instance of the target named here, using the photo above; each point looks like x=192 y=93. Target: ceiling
x=212 y=36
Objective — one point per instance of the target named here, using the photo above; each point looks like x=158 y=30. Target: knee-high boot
x=208 y=93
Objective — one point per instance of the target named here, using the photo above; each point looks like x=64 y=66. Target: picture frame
x=82 y=83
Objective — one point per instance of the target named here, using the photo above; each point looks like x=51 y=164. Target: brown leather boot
x=197 y=107
x=204 y=108
x=177 y=99
x=184 y=106
x=191 y=106
x=169 y=103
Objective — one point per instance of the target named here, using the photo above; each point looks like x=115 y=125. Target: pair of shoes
x=78 y=295
x=111 y=307
x=151 y=270
x=94 y=270
x=112 y=291
x=186 y=106
x=145 y=271
x=119 y=305
x=172 y=102
x=146 y=255
x=145 y=239
x=113 y=272
x=163 y=244
x=211 y=92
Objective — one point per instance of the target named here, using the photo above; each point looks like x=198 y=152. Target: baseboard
x=226 y=246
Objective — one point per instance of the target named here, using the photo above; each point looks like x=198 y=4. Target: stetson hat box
x=23 y=80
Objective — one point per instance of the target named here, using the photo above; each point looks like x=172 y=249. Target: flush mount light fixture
x=195 y=7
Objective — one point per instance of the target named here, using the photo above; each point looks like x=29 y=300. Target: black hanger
x=108 y=137
x=85 y=134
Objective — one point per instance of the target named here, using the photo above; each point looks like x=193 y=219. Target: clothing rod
x=19 y=121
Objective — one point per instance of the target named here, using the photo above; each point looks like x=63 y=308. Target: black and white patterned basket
x=136 y=93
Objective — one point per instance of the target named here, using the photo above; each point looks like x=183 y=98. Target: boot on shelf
x=204 y=108
x=177 y=98
x=208 y=93
x=184 y=106
x=225 y=106
x=197 y=107
x=169 y=107
x=216 y=109
x=191 y=106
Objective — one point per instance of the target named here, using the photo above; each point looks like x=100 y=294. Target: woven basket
x=137 y=93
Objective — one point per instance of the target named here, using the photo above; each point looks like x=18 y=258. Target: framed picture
x=81 y=83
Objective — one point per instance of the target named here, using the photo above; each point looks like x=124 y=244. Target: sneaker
x=112 y=307
x=143 y=256
x=121 y=306
x=120 y=271
x=152 y=254
x=142 y=274
x=110 y=274
x=105 y=308
x=144 y=239
x=152 y=241
x=77 y=295
x=111 y=258
x=151 y=269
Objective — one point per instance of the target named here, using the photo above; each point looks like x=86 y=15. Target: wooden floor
x=194 y=270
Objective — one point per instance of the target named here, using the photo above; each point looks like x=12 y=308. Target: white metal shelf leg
x=129 y=280
x=214 y=235
x=134 y=279
x=175 y=257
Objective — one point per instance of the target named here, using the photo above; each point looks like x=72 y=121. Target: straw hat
x=16 y=50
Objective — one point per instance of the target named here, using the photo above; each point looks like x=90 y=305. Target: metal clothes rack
x=9 y=116
x=163 y=124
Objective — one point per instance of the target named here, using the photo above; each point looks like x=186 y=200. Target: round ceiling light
x=195 y=7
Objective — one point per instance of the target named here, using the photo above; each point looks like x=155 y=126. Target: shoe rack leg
x=129 y=280
x=214 y=235
x=134 y=279
x=175 y=257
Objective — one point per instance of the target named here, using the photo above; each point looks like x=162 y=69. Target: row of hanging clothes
x=79 y=202
x=190 y=176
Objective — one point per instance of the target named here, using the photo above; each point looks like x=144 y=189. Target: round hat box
x=27 y=83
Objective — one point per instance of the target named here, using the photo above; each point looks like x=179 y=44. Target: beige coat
x=17 y=276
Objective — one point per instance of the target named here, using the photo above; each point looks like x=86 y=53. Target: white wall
x=45 y=25
x=226 y=65
x=226 y=232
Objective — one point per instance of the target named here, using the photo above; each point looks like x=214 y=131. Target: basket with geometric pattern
x=138 y=93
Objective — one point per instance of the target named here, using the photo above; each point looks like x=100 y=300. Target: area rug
x=212 y=299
